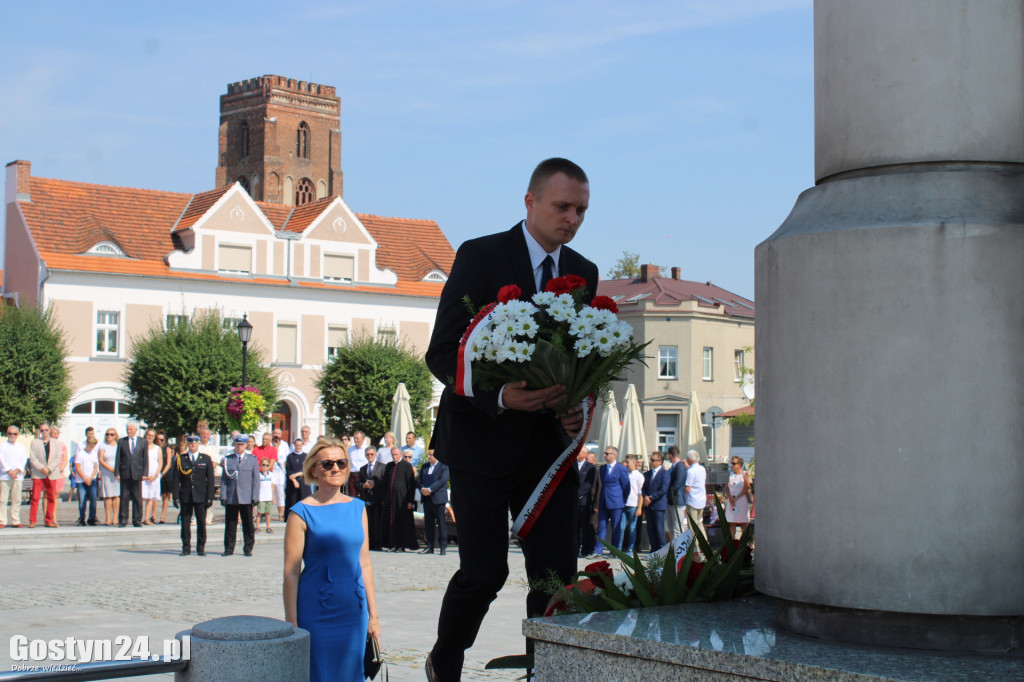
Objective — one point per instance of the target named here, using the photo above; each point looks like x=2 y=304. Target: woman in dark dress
x=399 y=501
x=295 y=487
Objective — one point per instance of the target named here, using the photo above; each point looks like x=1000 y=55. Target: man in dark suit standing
x=433 y=485
x=490 y=482
x=614 y=493
x=130 y=464
x=371 y=487
x=195 y=493
x=585 y=503
x=656 y=487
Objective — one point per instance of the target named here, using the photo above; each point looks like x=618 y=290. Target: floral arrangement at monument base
x=245 y=408
x=672 y=576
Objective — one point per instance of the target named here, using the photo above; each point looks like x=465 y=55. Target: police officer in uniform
x=239 y=491
x=195 y=492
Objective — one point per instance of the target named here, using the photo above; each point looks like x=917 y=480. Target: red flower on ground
x=565 y=285
x=695 y=568
x=600 y=567
x=727 y=550
x=604 y=303
x=587 y=586
x=509 y=292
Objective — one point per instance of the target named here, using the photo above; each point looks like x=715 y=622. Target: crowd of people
x=671 y=496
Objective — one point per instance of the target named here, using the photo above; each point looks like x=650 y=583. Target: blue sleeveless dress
x=332 y=598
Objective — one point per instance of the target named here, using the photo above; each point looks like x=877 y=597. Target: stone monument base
x=730 y=640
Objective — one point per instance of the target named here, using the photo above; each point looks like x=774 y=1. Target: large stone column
x=890 y=335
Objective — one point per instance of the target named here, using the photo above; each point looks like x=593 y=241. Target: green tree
x=627 y=267
x=182 y=374
x=36 y=384
x=357 y=386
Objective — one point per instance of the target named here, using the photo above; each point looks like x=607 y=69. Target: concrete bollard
x=245 y=649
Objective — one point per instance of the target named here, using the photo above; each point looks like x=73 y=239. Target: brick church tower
x=281 y=138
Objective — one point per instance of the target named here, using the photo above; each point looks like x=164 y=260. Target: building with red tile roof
x=701 y=342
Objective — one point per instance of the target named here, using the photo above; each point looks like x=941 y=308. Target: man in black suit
x=433 y=485
x=195 y=493
x=490 y=482
x=371 y=487
x=130 y=464
x=585 y=504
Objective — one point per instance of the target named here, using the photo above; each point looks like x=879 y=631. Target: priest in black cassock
x=399 y=501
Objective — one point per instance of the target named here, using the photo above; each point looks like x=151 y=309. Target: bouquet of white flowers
x=552 y=339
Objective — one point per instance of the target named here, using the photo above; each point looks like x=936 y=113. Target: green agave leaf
x=667 y=587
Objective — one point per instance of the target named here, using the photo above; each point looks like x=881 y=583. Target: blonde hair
x=310 y=461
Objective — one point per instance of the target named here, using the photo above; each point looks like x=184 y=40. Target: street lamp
x=245 y=333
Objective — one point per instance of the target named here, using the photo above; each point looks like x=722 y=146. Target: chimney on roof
x=648 y=272
x=675 y=272
x=18 y=175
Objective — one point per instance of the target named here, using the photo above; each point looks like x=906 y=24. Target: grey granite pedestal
x=730 y=640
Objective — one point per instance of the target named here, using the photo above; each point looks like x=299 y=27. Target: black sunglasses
x=329 y=464
x=12 y=433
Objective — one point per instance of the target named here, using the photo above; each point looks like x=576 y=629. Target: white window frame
x=339 y=327
x=663 y=357
x=107 y=327
x=739 y=362
x=708 y=364
x=667 y=436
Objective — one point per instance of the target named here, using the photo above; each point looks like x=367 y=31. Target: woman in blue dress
x=328 y=579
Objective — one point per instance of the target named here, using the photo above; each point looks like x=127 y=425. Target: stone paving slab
x=84 y=585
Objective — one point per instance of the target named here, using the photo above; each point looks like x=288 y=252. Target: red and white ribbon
x=464 y=369
x=534 y=506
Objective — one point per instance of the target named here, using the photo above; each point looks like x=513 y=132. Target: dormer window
x=338 y=268
x=234 y=258
x=107 y=249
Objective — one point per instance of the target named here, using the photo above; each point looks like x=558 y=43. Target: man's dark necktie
x=546 y=267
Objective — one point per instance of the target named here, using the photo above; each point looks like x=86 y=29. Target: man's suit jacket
x=588 y=476
x=131 y=465
x=437 y=482
x=197 y=485
x=240 y=480
x=482 y=266
x=37 y=459
x=614 y=486
x=677 y=482
x=656 y=488
x=372 y=472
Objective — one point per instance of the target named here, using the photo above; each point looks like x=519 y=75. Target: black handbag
x=373 y=660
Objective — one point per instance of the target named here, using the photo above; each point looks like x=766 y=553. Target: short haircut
x=612 y=447
x=411 y=433
x=632 y=458
x=370 y=450
x=310 y=461
x=12 y=426
x=264 y=460
x=132 y=423
x=551 y=167
x=90 y=441
x=692 y=455
x=673 y=450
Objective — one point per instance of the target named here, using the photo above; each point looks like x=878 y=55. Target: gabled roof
x=408 y=247
x=67 y=218
x=671 y=292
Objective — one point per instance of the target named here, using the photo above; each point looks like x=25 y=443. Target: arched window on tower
x=304 y=193
x=302 y=141
x=244 y=182
x=243 y=139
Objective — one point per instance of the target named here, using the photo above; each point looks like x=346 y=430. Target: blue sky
x=693 y=119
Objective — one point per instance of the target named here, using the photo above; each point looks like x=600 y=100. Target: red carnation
x=600 y=567
x=604 y=303
x=559 y=285
x=509 y=292
x=576 y=282
x=587 y=586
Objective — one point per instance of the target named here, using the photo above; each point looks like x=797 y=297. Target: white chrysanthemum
x=562 y=312
x=521 y=308
x=584 y=347
x=581 y=327
x=521 y=351
x=493 y=352
x=622 y=332
x=605 y=317
x=565 y=299
x=526 y=326
x=590 y=314
x=603 y=341
x=544 y=298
